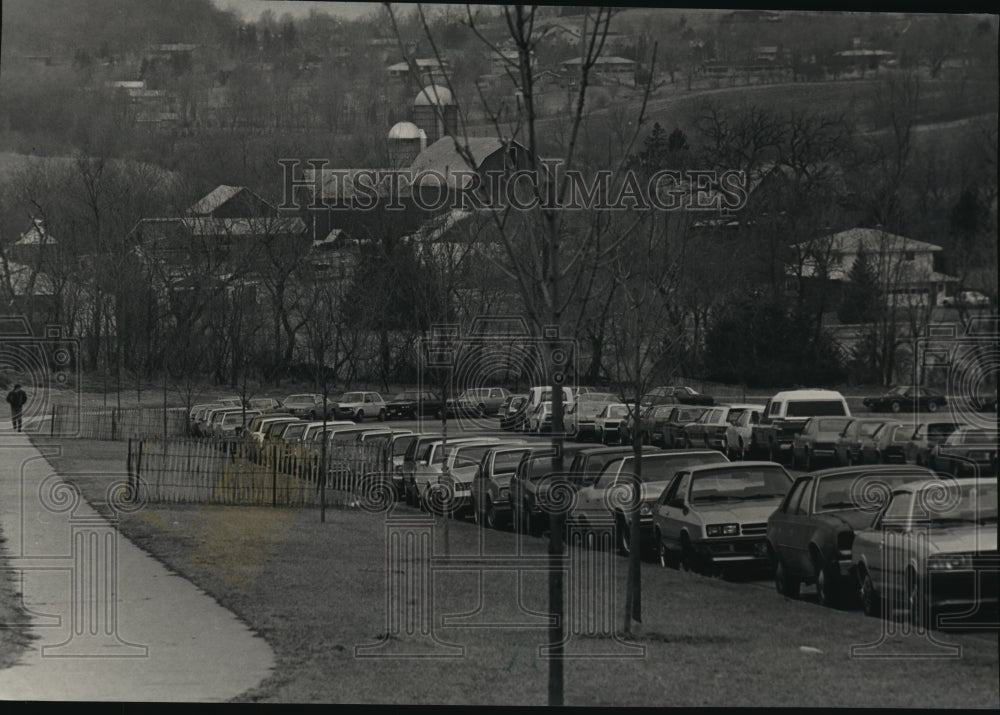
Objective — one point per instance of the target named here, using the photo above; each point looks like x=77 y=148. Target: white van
x=787 y=412
x=544 y=394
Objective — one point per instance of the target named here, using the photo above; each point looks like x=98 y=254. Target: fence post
x=138 y=465
x=52 y=427
x=274 y=475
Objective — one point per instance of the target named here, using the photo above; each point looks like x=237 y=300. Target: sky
x=251 y=9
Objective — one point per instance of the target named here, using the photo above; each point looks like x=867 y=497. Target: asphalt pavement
x=110 y=623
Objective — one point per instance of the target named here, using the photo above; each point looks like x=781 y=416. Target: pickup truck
x=786 y=414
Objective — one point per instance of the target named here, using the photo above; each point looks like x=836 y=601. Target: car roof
x=611 y=449
x=807 y=394
x=936 y=483
x=739 y=405
x=730 y=465
x=873 y=469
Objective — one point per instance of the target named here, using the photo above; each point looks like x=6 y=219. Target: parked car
x=966 y=297
x=786 y=414
x=658 y=468
x=643 y=424
x=410 y=404
x=588 y=463
x=714 y=516
x=461 y=460
x=848 y=447
x=532 y=479
x=258 y=427
x=609 y=423
x=909 y=398
x=543 y=393
x=817 y=441
x=882 y=446
x=539 y=419
x=932 y=554
x=676 y=395
x=307 y=406
x=967 y=452
x=264 y=404
x=477 y=401
x=925 y=437
x=490 y=491
x=726 y=428
x=359 y=405
x=670 y=432
x=513 y=413
x=234 y=424
x=580 y=415
x=426 y=466
x=811 y=533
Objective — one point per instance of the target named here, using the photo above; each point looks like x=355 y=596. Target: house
x=617 y=70
x=430 y=71
x=905 y=269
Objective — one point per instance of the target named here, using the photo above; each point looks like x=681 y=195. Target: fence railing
x=241 y=472
x=110 y=423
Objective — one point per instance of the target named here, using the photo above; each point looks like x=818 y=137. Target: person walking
x=16 y=398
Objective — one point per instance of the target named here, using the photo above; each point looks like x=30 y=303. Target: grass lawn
x=13 y=637
x=315 y=591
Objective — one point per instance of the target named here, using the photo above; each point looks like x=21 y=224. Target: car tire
x=932 y=406
x=689 y=559
x=785 y=584
x=381 y=415
x=623 y=536
x=918 y=611
x=667 y=560
x=360 y=416
x=688 y=444
x=827 y=593
x=808 y=461
x=895 y=406
x=771 y=452
x=870 y=602
x=492 y=518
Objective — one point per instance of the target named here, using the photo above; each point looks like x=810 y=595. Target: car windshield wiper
x=763 y=496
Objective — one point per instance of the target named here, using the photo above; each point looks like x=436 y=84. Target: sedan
x=932 y=549
x=714 y=516
x=581 y=415
x=513 y=412
x=968 y=452
x=925 y=438
x=910 y=399
x=817 y=441
x=848 y=447
x=809 y=536
x=676 y=394
x=609 y=423
x=410 y=404
x=307 y=406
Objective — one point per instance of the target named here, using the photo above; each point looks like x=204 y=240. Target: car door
x=779 y=523
x=887 y=566
x=673 y=504
x=800 y=529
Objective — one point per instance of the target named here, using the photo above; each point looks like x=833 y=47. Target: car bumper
x=734 y=550
x=400 y=413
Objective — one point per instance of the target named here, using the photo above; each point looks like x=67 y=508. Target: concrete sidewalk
x=154 y=637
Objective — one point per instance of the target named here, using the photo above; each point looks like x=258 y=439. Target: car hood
x=747 y=512
x=401 y=403
x=963 y=538
x=853 y=518
x=350 y=404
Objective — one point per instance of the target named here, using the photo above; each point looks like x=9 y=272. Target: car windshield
x=506 y=462
x=734 y=415
x=898 y=391
x=980 y=437
x=857 y=492
x=940 y=430
x=831 y=425
x=295 y=431
x=870 y=428
x=815 y=408
x=739 y=484
x=616 y=411
x=901 y=433
x=352 y=397
x=690 y=415
x=596 y=397
x=299 y=400
x=976 y=505
x=401 y=444
x=660 y=467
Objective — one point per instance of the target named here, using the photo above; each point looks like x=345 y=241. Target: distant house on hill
x=905 y=269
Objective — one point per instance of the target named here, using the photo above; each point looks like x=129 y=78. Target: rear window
x=739 y=484
x=506 y=462
x=657 y=468
x=814 y=408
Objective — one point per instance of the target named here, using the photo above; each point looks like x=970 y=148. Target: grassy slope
x=314 y=591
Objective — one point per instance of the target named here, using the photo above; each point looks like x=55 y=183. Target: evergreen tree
x=861 y=300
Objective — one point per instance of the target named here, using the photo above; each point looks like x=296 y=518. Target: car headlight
x=722 y=529
x=949 y=562
x=645 y=509
x=979 y=456
x=504 y=493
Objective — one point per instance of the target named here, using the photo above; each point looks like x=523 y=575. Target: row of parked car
x=860 y=535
